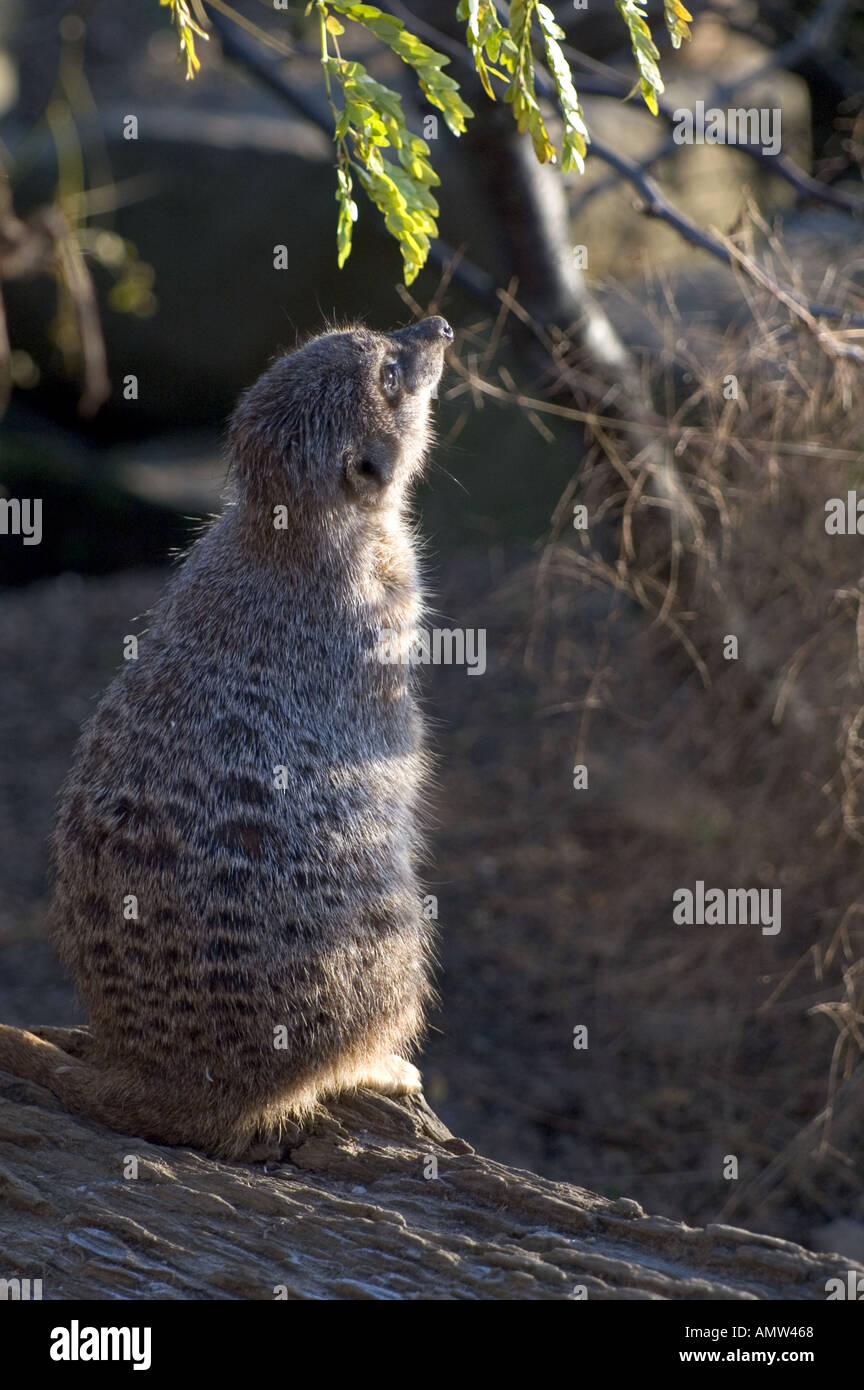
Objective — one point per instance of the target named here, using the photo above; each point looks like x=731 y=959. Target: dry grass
x=746 y=772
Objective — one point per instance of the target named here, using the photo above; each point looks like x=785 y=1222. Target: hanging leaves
x=369 y=121
x=520 y=93
x=677 y=16
x=645 y=50
x=439 y=89
x=187 y=28
x=375 y=148
x=487 y=38
x=575 y=131
x=494 y=46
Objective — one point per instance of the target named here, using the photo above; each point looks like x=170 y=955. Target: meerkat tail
x=80 y=1087
x=77 y=1041
x=32 y=1058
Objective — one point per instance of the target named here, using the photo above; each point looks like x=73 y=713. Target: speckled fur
x=260 y=907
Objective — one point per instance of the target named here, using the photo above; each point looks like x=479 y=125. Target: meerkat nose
x=441 y=326
x=430 y=329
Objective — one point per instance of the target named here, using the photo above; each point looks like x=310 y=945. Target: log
x=376 y=1200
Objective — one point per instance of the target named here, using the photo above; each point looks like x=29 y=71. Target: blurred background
x=673 y=340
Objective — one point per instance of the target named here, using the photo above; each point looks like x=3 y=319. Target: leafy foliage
x=187 y=28
x=439 y=89
x=575 y=130
x=645 y=50
x=373 y=143
x=520 y=93
x=490 y=42
x=676 y=16
x=487 y=38
x=370 y=120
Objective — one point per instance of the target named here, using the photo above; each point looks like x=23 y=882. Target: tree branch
x=814 y=36
x=780 y=164
x=376 y=1200
x=656 y=204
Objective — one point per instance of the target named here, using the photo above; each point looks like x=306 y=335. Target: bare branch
x=348 y=1216
x=656 y=204
x=780 y=164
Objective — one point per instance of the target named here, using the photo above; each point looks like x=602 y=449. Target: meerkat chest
x=392 y=604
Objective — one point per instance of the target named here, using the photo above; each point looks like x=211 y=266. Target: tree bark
x=352 y=1212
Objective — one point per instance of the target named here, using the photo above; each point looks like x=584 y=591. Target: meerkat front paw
x=393 y=1076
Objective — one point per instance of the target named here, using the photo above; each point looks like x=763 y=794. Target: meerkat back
x=236 y=885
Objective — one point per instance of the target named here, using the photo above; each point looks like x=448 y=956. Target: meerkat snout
x=409 y=363
x=418 y=361
x=433 y=327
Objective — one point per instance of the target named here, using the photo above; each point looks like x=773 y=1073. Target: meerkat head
x=344 y=420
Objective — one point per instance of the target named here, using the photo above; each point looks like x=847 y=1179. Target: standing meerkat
x=236 y=891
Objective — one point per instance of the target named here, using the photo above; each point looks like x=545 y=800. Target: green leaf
x=438 y=88
x=521 y=91
x=347 y=215
x=408 y=225
x=575 y=131
x=677 y=16
x=645 y=50
x=187 y=29
x=369 y=123
x=487 y=38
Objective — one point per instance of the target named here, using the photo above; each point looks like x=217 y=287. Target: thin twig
x=656 y=204
x=780 y=164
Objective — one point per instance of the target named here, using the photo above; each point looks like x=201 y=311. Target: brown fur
x=259 y=908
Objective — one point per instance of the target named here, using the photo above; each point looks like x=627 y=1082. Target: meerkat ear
x=368 y=467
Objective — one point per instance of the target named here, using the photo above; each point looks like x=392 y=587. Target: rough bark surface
x=348 y=1214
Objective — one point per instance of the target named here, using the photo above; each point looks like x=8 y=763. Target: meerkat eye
x=390 y=378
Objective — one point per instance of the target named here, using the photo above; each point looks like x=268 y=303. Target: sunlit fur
x=260 y=908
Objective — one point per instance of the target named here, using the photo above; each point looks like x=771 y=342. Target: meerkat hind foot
x=265 y=1151
x=392 y=1076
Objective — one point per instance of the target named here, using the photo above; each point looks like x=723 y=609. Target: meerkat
x=236 y=887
